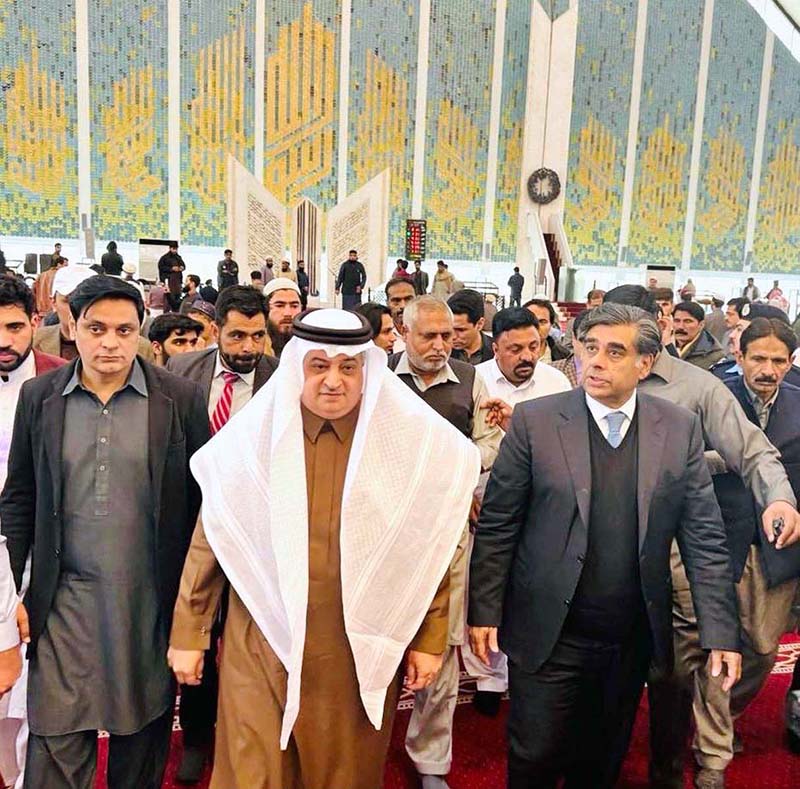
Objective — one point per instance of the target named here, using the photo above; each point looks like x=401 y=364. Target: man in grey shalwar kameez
x=99 y=489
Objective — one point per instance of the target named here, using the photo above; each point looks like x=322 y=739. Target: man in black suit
x=228 y=375
x=571 y=560
x=99 y=489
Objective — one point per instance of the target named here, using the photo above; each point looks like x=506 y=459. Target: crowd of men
x=244 y=507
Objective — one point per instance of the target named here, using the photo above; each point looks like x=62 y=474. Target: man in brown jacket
x=325 y=603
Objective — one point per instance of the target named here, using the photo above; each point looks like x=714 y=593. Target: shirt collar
x=756 y=400
x=443 y=376
x=24 y=372
x=220 y=368
x=495 y=374
x=663 y=366
x=136 y=380
x=600 y=411
x=313 y=424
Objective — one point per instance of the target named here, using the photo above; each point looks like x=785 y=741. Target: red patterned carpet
x=479 y=748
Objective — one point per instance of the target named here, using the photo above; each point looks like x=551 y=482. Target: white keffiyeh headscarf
x=407 y=493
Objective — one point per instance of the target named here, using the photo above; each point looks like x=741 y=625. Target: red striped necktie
x=222 y=412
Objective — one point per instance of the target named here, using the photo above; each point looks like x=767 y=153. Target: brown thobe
x=333 y=744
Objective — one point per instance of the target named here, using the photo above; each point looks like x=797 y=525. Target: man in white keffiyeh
x=319 y=512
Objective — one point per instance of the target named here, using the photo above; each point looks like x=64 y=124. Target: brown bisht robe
x=333 y=744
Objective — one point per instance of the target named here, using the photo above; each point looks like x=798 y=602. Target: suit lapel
x=574 y=436
x=53 y=410
x=263 y=370
x=207 y=375
x=652 y=439
x=159 y=422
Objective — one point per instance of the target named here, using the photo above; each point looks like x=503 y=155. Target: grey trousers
x=69 y=761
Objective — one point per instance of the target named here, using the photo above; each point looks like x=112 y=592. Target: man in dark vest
x=572 y=557
x=455 y=391
x=766 y=578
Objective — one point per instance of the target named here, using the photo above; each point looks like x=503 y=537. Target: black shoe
x=192 y=764
x=487 y=702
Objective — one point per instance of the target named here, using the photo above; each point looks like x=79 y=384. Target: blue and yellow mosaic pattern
x=512 y=127
x=128 y=89
x=777 y=239
x=38 y=119
x=383 y=75
x=217 y=83
x=457 y=125
x=666 y=127
x=599 y=129
x=729 y=133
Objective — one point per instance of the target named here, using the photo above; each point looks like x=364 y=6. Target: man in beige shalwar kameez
x=354 y=575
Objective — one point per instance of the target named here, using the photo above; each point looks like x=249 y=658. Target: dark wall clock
x=544 y=186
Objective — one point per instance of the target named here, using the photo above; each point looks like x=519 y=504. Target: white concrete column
x=494 y=125
x=420 y=108
x=174 y=117
x=758 y=151
x=633 y=128
x=84 y=109
x=259 y=64
x=344 y=101
x=697 y=140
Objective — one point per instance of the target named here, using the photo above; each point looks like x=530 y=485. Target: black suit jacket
x=533 y=530
x=198 y=366
x=30 y=505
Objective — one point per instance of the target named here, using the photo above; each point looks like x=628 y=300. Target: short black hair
x=374 y=313
x=353 y=252
x=255 y=275
x=241 y=298
x=738 y=303
x=162 y=327
x=397 y=281
x=225 y=251
x=14 y=292
x=594 y=292
x=512 y=318
x=467 y=302
x=579 y=319
x=663 y=294
x=633 y=296
x=516 y=269
x=194 y=278
x=543 y=303
x=768 y=327
x=102 y=287
x=692 y=307
x=717 y=302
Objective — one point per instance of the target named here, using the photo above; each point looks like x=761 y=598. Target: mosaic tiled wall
x=729 y=133
x=128 y=89
x=383 y=74
x=512 y=127
x=301 y=100
x=777 y=239
x=666 y=126
x=38 y=119
x=599 y=129
x=217 y=83
x=457 y=124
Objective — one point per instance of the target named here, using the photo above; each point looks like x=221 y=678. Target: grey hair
x=426 y=303
x=648 y=336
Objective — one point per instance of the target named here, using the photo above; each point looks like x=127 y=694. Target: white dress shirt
x=242 y=389
x=9 y=395
x=599 y=412
x=545 y=381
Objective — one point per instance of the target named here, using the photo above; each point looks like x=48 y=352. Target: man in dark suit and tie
x=572 y=557
x=99 y=491
x=229 y=375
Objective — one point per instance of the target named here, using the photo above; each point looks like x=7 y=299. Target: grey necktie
x=615 y=421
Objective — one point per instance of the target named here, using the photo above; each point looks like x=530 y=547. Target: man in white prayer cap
x=327 y=613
